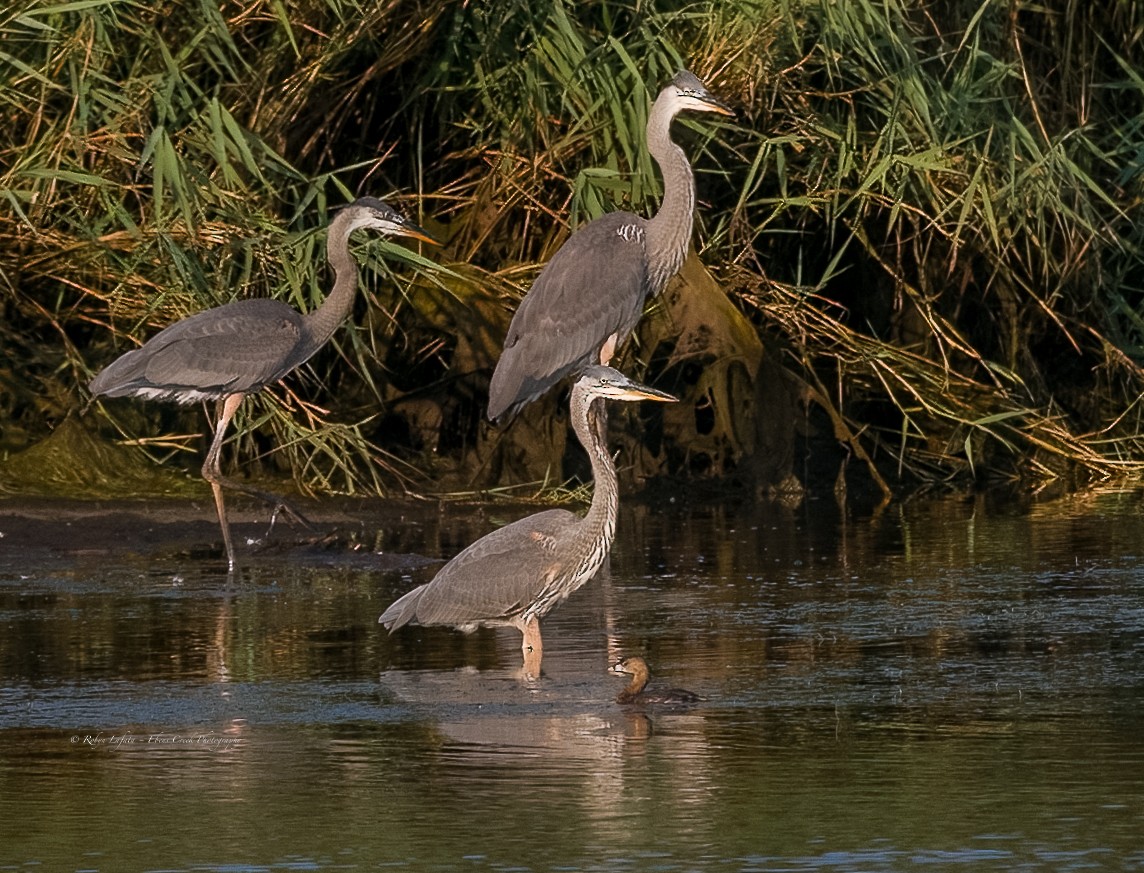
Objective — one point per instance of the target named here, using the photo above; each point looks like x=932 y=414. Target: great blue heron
x=637 y=691
x=590 y=296
x=231 y=351
x=515 y=575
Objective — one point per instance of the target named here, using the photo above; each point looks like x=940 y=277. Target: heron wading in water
x=590 y=296
x=516 y=575
x=228 y=352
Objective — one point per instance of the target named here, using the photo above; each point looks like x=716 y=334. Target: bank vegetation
x=918 y=248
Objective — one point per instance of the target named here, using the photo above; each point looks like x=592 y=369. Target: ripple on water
x=938 y=688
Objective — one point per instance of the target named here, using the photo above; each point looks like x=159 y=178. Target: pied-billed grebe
x=515 y=575
x=638 y=692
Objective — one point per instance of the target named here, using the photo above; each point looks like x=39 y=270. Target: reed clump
x=918 y=244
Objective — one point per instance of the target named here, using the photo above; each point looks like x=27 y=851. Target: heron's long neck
x=323 y=321
x=590 y=421
x=669 y=232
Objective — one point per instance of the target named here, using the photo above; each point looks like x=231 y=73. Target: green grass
x=931 y=212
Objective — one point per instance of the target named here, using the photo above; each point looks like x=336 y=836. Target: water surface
x=947 y=685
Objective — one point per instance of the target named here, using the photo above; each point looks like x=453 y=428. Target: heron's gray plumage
x=577 y=302
x=531 y=546
x=237 y=348
x=592 y=293
x=230 y=351
x=241 y=347
x=517 y=574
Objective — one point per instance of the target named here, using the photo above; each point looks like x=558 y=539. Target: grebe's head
x=634 y=666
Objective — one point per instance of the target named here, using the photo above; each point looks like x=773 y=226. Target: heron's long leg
x=212 y=472
x=531 y=646
x=227 y=406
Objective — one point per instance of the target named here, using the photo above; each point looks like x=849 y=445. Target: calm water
x=948 y=686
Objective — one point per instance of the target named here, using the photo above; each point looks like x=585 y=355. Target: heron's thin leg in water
x=212 y=472
x=532 y=647
x=227 y=406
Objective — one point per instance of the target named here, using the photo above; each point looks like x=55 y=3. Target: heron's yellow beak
x=418 y=232
x=635 y=391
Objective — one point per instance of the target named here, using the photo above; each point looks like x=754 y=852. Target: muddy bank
x=39 y=530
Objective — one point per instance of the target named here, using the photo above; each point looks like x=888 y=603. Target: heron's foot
x=280 y=505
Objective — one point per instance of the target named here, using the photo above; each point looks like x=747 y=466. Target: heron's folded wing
x=592 y=288
x=237 y=348
x=499 y=574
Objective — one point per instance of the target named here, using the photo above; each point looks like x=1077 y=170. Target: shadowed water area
x=947 y=685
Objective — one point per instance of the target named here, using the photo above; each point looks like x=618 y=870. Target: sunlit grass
x=935 y=211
